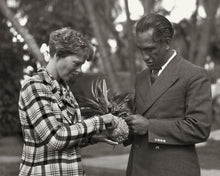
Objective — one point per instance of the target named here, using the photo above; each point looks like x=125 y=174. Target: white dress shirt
x=168 y=61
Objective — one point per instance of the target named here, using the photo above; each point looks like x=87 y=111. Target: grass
x=91 y=171
x=103 y=150
x=9 y=169
x=12 y=146
x=209 y=155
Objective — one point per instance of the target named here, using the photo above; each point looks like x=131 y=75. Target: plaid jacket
x=52 y=127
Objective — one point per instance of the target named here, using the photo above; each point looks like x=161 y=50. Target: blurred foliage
x=11 y=71
x=45 y=16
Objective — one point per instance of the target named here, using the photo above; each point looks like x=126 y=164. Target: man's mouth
x=149 y=63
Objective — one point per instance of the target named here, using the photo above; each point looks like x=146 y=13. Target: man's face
x=69 y=66
x=154 y=53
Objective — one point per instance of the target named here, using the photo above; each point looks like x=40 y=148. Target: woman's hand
x=109 y=121
x=103 y=138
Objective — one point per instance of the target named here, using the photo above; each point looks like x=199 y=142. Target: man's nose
x=146 y=56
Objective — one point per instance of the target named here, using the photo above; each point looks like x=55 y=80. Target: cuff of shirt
x=99 y=124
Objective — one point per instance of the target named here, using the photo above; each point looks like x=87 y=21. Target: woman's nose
x=79 y=69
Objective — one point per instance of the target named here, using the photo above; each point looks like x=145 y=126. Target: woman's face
x=69 y=66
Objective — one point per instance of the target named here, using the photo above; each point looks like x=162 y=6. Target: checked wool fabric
x=52 y=127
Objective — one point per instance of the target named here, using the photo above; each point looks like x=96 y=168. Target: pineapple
x=102 y=103
x=120 y=132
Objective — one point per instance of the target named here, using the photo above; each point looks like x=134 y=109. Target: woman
x=51 y=122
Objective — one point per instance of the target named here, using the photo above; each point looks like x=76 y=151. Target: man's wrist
x=147 y=125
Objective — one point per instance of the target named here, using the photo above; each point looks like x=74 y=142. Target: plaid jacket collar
x=48 y=78
x=62 y=94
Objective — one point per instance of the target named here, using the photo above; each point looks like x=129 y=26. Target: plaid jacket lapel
x=56 y=90
x=69 y=99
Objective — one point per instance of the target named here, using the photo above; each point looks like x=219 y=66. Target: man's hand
x=137 y=124
x=103 y=138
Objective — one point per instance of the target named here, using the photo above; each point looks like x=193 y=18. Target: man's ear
x=167 y=44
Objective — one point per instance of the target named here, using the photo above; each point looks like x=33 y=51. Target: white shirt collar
x=167 y=62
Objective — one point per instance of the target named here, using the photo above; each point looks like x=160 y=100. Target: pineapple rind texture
x=120 y=133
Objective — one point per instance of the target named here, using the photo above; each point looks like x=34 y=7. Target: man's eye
x=147 y=50
x=77 y=65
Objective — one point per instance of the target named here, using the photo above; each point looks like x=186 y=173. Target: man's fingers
x=129 y=118
x=130 y=123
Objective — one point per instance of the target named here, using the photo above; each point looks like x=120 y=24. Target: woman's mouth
x=75 y=73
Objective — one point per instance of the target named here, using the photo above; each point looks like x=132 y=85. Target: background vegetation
x=26 y=24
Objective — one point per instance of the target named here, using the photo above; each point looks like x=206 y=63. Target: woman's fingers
x=108 y=141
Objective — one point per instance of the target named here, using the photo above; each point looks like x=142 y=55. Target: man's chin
x=151 y=67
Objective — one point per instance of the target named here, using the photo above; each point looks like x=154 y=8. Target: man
x=51 y=122
x=172 y=111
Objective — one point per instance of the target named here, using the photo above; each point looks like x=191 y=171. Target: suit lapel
x=162 y=83
x=144 y=84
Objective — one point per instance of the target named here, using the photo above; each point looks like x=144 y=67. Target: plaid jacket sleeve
x=43 y=124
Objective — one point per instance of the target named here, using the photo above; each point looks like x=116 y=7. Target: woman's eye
x=78 y=65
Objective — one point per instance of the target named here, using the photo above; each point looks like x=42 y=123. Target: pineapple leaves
x=105 y=92
x=101 y=103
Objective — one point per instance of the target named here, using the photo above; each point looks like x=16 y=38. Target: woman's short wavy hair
x=162 y=27
x=66 y=41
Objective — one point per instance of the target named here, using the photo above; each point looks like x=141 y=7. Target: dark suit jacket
x=178 y=106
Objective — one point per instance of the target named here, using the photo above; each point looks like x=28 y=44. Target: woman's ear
x=55 y=57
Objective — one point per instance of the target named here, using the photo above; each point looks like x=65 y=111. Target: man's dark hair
x=66 y=41
x=162 y=27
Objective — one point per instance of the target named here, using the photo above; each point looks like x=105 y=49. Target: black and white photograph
x=109 y=88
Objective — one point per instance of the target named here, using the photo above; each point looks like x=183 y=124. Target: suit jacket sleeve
x=195 y=126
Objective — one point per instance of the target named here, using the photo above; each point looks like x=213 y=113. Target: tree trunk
x=30 y=41
x=193 y=34
x=103 y=51
x=148 y=6
x=131 y=50
x=211 y=9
